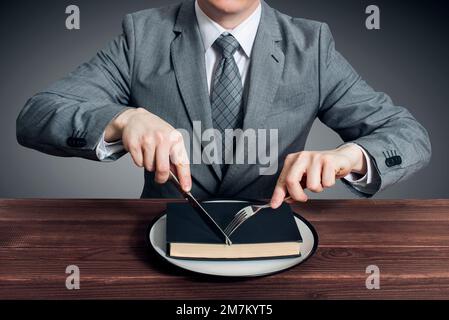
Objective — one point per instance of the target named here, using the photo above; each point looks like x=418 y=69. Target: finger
x=294 y=178
x=302 y=183
x=328 y=175
x=136 y=153
x=280 y=190
x=177 y=148
x=181 y=162
x=180 y=159
x=342 y=172
x=314 y=175
x=148 y=157
x=185 y=179
x=178 y=154
x=162 y=162
x=279 y=193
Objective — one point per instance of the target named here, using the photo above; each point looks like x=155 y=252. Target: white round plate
x=235 y=268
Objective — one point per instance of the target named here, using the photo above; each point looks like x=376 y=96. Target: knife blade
x=200 y=210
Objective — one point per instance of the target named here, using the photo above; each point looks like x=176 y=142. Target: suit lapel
x=267 y=63
x=187 y=53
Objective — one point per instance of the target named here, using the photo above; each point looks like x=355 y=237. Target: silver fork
x=243 y=215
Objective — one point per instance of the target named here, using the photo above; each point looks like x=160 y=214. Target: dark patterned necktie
x=227 y=91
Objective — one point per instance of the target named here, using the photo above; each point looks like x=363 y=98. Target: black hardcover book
x=268 y=234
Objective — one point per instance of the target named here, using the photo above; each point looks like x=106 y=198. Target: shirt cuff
x=105 y=150
x=358 y=180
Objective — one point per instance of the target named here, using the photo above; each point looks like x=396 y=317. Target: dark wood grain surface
x=407 y=239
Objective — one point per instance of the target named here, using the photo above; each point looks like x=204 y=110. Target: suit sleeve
x=397 y=144
x=68 y=118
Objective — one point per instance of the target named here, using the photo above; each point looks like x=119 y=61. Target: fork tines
x=238 y=219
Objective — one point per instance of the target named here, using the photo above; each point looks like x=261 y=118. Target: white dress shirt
x=245 y=34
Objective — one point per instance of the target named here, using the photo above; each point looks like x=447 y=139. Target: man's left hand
x=316 y=170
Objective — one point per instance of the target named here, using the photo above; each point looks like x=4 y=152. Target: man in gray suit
x=226 y=65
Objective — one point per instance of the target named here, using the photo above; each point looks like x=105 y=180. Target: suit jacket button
x=393 y=161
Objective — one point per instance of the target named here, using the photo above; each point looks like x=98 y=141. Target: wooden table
x=407 y=239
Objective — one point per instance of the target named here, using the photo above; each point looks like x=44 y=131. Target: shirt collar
x=244 y=33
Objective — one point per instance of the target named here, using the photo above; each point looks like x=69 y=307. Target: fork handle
x=287 y=198
x=268 y=205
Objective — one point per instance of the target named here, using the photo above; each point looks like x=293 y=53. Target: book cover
x=269 y=233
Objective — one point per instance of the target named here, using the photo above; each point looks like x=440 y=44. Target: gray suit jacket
x=296 y=75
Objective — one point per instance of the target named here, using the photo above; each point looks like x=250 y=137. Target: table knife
x=200 y=210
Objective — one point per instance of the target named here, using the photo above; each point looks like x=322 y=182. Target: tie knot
x=227 y=44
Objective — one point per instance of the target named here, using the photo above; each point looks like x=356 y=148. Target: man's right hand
x=152 y=143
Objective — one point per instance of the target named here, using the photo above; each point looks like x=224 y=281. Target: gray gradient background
x=407 y=58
